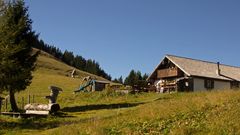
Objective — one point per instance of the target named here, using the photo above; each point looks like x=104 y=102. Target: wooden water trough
x=45 y=109
x=38 y=110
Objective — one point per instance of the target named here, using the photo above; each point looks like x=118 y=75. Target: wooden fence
x=21 y=102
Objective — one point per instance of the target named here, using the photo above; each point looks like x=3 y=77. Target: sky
x=136 y=34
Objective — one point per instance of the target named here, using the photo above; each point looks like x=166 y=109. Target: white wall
x=218 y=85
x=156 y=82
x=198 y=84
x=221 y=85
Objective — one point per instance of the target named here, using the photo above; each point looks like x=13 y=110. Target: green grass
x=104 y=113
x=190 y=113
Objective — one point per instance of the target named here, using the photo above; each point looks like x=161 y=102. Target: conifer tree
x=120 y=80
x=16 y=55
x=135 y=78
x=131 y=79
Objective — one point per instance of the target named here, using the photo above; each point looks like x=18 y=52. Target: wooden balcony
x=170 y=72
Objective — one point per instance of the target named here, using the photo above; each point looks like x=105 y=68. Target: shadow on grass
x=61 y=114
x=99 y=107
x=38 y=123
x=56 y=121
x=163 y=98
x=34 y=123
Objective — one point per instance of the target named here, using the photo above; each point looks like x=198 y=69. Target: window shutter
x=212 y=84
x=205 y=83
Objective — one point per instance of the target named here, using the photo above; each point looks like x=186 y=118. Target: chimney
x=218 y=69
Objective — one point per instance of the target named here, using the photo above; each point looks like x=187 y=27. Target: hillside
x=50 y=71
x=108 y=113
x=48 y=63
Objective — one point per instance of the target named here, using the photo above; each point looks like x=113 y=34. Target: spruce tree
x=120 y=80
x=16 y=56
x=136 y=79
x=68 y=58
x=2 y=8
x=131 y=79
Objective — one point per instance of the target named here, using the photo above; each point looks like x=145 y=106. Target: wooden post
x=29 y=97
x=1 y=99
x=33 y=99
x=6 y=104
x=22 y=102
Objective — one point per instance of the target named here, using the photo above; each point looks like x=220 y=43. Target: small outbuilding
x=176 y=73
x=100 y=85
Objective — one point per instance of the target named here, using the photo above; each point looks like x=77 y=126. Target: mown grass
x=214 y=112
x=190 y=113
x=108 y=113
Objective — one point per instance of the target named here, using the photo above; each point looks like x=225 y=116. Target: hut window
x=234 y=85
x=209 y=84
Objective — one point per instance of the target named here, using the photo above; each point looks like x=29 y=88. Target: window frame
x=234 y=84
x=209 y=84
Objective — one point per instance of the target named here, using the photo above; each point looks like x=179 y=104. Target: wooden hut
x=176 y=73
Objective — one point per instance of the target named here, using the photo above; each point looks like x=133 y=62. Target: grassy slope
x=48 y=64
x=50 y=71
x=107 y=113
x=189 y=113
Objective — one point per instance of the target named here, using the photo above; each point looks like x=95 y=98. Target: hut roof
x=200 y=68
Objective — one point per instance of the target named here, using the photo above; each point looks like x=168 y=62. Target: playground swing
x=90 y=83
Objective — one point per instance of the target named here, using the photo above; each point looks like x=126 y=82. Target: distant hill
x=51 y=71
x=68 y=57
x=49 y=64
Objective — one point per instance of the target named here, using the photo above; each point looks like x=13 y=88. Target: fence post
x=6 y=104
x=29 y=97
x=22 y=102
x=33 y=99
x=1 y=99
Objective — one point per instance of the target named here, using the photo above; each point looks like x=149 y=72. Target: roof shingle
x=193 y=67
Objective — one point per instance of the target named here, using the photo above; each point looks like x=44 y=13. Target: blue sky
x=136 y=34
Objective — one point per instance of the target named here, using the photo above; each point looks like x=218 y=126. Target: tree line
x=134 y=79
x=69 y=58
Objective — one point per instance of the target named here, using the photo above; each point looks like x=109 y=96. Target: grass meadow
x=109 y=113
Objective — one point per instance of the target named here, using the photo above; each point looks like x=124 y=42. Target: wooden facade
x=171 y=77
x=197 y=75
x=100 y=85
x=169 y=72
